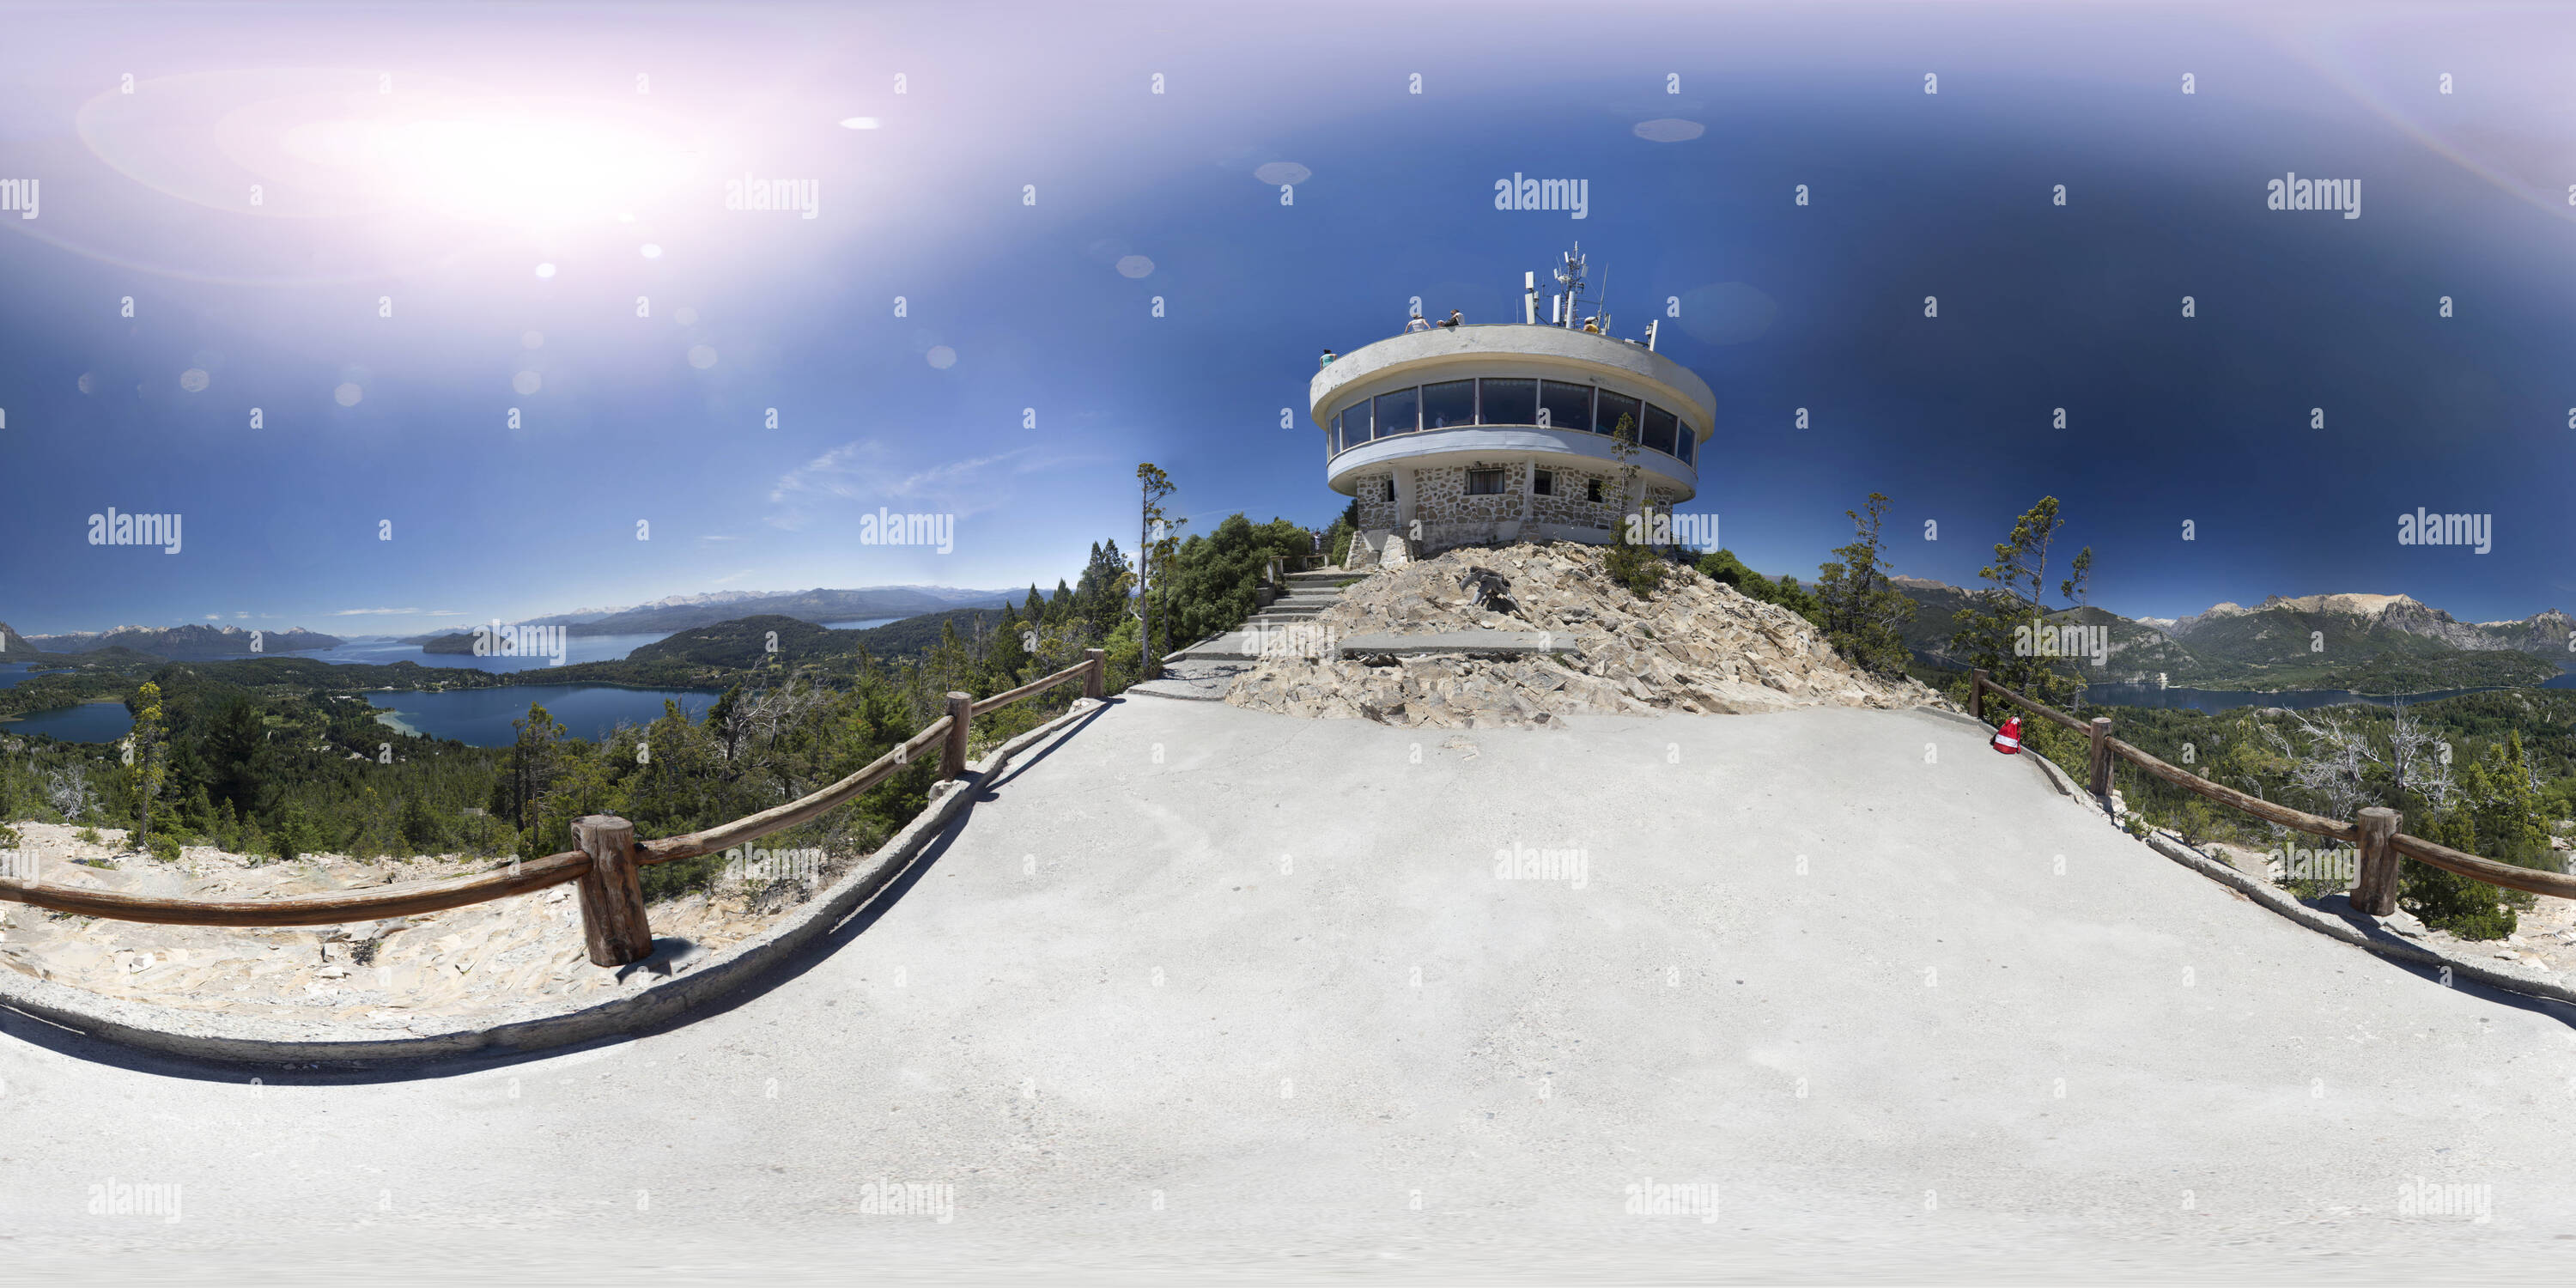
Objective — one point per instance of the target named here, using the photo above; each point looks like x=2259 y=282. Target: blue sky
x=436 y=158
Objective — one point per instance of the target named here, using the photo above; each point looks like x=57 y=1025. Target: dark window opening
x=1390 y=487
x=1659 y=429
x=1616 y=408
x=1565 y=406
x=1509 y=402
x=1689 y=443
x=1543 y=483
x=1484 y=482
x=1592 y=489
x=1399 y=412
x=1449 y=404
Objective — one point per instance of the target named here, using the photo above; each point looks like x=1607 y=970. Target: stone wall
x=1376 y=512
x=1450 y=517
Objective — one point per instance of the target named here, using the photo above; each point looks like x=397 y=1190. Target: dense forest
x=279 y=757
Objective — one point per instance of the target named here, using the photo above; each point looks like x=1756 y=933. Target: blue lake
x=2214 y=701
x=88 y=722
x=481 y=717
x=577 y=648
x=11 y=673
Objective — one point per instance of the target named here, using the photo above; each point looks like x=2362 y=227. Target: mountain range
x=178 y=643
x=2367 y=643
x=687 y=612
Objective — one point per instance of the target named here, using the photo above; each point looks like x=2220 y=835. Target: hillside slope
x=2369 y=643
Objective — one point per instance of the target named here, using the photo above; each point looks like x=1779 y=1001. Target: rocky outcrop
x=1697 y=647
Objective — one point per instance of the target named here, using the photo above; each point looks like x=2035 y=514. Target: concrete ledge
x=662 y=987
x=1472 y=643
x=2335 y=916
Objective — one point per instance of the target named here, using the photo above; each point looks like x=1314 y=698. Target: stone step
x=1475 y=643
x=1327 y=577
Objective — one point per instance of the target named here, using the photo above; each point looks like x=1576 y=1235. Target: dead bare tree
x=2334 y=764
x=67 y=790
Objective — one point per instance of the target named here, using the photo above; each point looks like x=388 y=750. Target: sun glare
x=529 y=166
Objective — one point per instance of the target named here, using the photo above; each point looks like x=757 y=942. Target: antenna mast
x=1569 y=278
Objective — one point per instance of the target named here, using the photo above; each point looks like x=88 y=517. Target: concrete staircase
x=1305 y=595
x=1205 y=670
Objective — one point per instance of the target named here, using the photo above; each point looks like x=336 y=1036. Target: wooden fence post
x=1095 y=682
x=961 y=722
x=1977 y=693
x=612 y=892
x=2375 y=890
x=2102 y=758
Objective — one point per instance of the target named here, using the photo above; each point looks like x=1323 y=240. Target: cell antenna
x=1569 y=279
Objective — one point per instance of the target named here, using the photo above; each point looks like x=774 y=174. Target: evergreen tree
x=2000 y=631
x=145 y=752
x=1865 y=613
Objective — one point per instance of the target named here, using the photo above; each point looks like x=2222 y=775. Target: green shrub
x=1723 y=566
x=1637 y=568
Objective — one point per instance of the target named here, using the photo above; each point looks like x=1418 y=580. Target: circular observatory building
x=1454 y=434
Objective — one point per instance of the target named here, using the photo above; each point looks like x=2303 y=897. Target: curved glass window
x=1399 y=412
x=1659 y=429
x=1509 y=402
x=1355 y=424
x=1619 y=407
x=1449 y=404
x=1689 y=442
x=1567 y=406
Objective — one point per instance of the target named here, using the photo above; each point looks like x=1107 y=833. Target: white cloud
x=376 y=612
x=863 y=472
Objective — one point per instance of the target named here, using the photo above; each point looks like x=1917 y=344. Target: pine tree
x=1865 y=614
x=2000 y=630
x=145 y=755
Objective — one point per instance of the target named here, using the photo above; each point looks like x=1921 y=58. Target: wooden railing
x=607 y=865
x=2375 y=833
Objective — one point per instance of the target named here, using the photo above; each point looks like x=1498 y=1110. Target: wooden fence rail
x=2374 y=833
x=612 y=896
